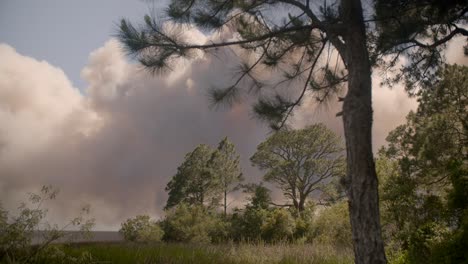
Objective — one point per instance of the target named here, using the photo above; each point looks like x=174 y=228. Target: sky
x=78 y=114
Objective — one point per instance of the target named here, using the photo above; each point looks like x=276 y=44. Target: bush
x=16 y=232
x=274 y=225
x=279 y=225
x=247 y=226
x=332 y=226
x=141 y=229
x=194 y=223
x=304 y=222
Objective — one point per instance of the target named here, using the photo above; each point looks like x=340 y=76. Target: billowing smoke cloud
x=117 y=145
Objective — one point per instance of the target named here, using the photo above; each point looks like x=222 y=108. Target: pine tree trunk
x=362 y=183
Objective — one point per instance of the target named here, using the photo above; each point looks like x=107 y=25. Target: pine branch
x=299 y=99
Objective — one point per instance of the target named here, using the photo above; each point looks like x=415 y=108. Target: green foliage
x=258 y=225
x=247 y=226
x=305 y=222
x=260 y=197
x=141 y=229
x=193 y=183
x=423 y=241
x=166 y=253
x=301 y=161
x=206 y=176
x=194 y=224
x=296 y=47
x=16 y=232
x=224 y=164
x=332 y=226
x=424 y=175
x=278 y=226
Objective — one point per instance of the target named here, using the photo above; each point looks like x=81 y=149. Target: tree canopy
x=426 y=166
x=205 y=175
x=301 y=161
x=193 y=182
x=224 y=163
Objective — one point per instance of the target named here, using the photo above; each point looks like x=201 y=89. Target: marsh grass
x=226 y=253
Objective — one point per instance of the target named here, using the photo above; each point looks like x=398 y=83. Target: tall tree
x=301 y=161
x=296 y=46
x=224 y=163
x=436 y=135
x=429 y=159
x=193 y=183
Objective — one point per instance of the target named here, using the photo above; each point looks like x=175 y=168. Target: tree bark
x=295 y=204
x=362 y=185
x=302 y=199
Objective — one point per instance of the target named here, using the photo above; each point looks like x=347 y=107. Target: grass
x=226 y=253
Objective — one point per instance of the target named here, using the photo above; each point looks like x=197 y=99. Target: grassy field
x=119 y=253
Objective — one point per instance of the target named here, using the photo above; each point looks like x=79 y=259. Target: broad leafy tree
x=226 y=168
x=297 y=46
x=193 y=183
x=300 y=162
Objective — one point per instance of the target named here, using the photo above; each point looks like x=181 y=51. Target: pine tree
x=298 y=46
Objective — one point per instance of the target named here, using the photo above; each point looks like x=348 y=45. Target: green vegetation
x=192 y=224
x=285 y=49
x=141 y=229
x=226 y=254
x=423 y=188
x=16 y=231
x=424 y=173
x=301 y=162
x=421 y=215
x=225 y=165
x=206 y=176
x=194 y=183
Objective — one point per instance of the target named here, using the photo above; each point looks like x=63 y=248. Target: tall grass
x=226 y=253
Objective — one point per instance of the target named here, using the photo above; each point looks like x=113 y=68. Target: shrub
x=193 y=223
x=247 y=226
x=141 y=229
x=304 y=222
x=255 y=225
x=16 y=232
x=332 y=226
x=279 y=225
